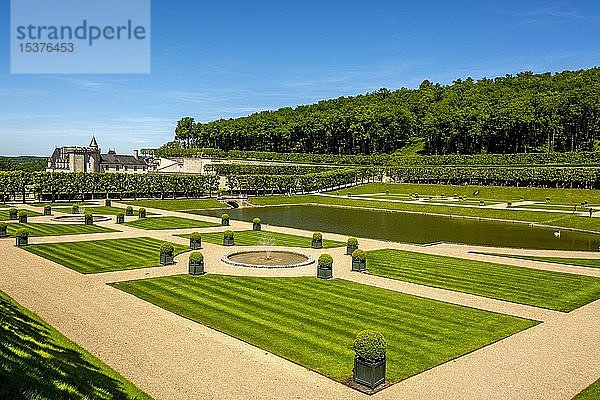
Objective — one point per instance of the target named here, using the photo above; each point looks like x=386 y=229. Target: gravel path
x=174 y=358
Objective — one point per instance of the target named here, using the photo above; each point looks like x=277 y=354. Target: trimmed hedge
x=370 y=345
x=195 y=236
x=196 y=256
x=352 y=241
x=317 y=236
x=325 y=261
x=167 y=248
x=359 y=255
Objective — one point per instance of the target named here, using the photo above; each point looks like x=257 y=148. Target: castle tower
x=94 y=156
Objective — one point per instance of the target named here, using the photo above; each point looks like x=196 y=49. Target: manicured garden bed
x=95 y=256
x=158 y=223
x=580 y=262
x=40 y=363
x=47 y=229
x=103 y=210
x=176 y=205
x=546 y=289
x=62 y=204
x=4 y=214
x=313 y=322
x=266 y=238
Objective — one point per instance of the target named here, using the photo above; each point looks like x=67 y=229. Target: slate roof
x=121 y=159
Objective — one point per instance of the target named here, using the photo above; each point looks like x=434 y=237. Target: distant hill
x=23 y=163
x=512 y=114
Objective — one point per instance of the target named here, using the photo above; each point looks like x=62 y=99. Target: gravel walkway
x=173 y=358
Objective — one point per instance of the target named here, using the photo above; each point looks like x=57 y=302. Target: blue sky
x=215 y=60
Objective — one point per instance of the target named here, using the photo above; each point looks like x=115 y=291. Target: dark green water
x=414 y=228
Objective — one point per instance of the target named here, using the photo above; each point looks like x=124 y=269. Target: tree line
x=520 y=113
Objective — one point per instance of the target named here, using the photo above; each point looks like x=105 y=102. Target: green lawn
x=581 y=262
x=176 y=205
x=591 y=393
x=157 y=223
x=103 y=255
x=37 y=362
x=62 y=204
x=4 y=214
x=546 y=289
x=313 y=322
x=507 y=193
x=48 y=229
x=266 y=238
x=540 y=217
x=557 y=207
x=102 y=210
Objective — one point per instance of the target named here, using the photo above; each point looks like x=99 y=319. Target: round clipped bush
x=120 y=215
x=22 y=233
x=47 y=208
x=370 y=345
x=225 y=216
x=359 y=255
x=13 y=210
x=196 y=257
x=256 y=221
x=228 y=234
x=129 y=208
x=317 y=236
x=142 y=211
x=195 y=236
x=88 y=214
x=167 y=248
x=352 y=241
x=22 y=213
x=325 y=261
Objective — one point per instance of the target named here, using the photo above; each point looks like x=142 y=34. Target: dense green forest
x=22 y=163
x=512 y=114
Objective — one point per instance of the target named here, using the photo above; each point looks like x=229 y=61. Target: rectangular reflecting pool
x=414 y=228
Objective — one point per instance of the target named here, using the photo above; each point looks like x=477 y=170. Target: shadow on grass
x=38 y=363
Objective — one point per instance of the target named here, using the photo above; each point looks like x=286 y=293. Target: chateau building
x=89 y=159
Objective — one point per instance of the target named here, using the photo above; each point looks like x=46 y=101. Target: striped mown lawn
x=580 y=262
x=95 y=256
x=157 y=223
x=313 y=322
x=178 y=204
x=4 y=214
x=103 y=210
x=592 y=392
x=48 y=229
x=546 y=289
x=38 y=362
x=266 y=238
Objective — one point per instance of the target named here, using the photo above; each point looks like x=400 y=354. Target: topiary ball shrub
x=351 y=245
x=196 y=263
x=325 y=261
x=359 y=255
x=317 y=241
x=75 y=209
x=256 y=221
x=256 y=224
x=228 y=238
x=359 y=261
x=224 y=219
x=317 y=236
x=228 y=234
x=120 y=218
x=370 y=345
x=129 y=211
x=352 y=241
x=107 y=202
x=89 y=218
x=195 y=241
x=224 y=216
x=196 y=236
x=167 y=248
x=196 y=256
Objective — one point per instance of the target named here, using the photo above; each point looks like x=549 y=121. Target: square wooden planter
x=324 y=273
x=317 y=244
x=128 y=213
x=196 y=268
x=227 y=242
x=359 y=266
x=23 y=219
x=350 y=249
x=370 y=374
x=166 y=259
x=19 y=241
x=195 y=244
x=224 y=222
x=47 y=211
x=256 y=227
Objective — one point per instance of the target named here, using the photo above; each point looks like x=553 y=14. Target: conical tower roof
x=93 y=143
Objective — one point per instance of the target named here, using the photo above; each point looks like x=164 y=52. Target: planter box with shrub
x=317 y=241
x=166 y=253
x=22 y=237
x=75 y=209
x=225 y=220
x=23 y=217
x=195 y=241
x=120 y=218
x=12 y=214
x=228 y=238
x=89 y=218
x=369 y=361
x=47 y=210
x=3 y=229
x=108 y=203
x=359 y=260
x=196 y=264
x=142 y=213
x=351 y=245
x=129 y=211
x=325 y=266
x=256 y=224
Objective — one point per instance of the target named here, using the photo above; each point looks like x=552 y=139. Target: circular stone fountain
x=268 y=259
x=80 y=218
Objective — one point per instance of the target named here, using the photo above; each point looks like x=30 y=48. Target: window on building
x=125 y=168
x=116 y=167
